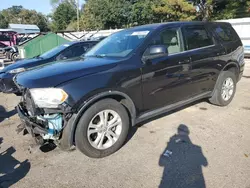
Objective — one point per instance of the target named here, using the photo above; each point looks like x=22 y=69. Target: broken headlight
x=48 y=97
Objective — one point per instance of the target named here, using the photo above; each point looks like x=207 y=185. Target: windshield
x=54 y=51
x=119 y=44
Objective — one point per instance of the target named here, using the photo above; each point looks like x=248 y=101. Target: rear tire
x=225 y=89
x=14 y=56
x=102 y=129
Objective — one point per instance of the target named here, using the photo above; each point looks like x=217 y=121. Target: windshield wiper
x=98 y=55
x=38 y=57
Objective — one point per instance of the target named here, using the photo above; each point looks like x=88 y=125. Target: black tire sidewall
x=81 y=138
x=13 y=57
x=223 y=77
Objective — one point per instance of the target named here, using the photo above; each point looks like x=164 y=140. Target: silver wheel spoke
x=101 y=141
x=230 y=92
x=92 y=131
x=112 y=134
x=223 y=92
x=112 y=121
x=110 y=138
x=226 y=96
x=102 y=116
x=114 y=124
x=98 y=138
x=93 y=126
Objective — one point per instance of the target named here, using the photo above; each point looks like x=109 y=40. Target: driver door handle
x=185 y=61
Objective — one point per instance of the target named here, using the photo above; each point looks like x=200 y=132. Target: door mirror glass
x=60 y=57
x=154 y=51
x=157 y=50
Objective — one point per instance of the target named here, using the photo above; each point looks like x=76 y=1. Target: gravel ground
x=210 y=149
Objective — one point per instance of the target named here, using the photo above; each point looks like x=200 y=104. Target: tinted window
x=74 y=51
x=225 y=33
x=54 y=51
x=68 y=53
x=4 y=38
x=170 y=39
x=196 y=37
x=80 y=49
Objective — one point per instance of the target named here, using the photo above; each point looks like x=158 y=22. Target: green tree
x=64 y=14
x=106 y=14
x=175 y=10
x=222 y=9
x=204 y=9
x=3 y=21
x=17 y=14
x=32 y=17
x=228 y=9
x=94 y=13
x=142 y=12
x=12 y=14
x=56 y=3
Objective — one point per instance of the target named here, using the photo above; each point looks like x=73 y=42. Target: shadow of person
x=182 y=162
x=4 y=114
x=11 y=170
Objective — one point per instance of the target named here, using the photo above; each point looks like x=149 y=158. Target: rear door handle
x=186 y=61
x=221 y=53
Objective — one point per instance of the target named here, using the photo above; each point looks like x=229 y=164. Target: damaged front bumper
x=43 y=127
x=29 y=124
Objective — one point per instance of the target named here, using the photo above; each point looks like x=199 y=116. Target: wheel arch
x=121 y=97
x=228 y=66
x=232 y=65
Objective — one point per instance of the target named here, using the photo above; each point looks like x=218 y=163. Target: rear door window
x=196 y=37
x=225 y=33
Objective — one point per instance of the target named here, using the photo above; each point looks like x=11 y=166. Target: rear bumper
x=33 y=128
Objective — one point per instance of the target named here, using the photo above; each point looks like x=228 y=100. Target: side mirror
x=158 y=50
x=60 y=57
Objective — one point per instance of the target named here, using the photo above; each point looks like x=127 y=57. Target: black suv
x=133 y=75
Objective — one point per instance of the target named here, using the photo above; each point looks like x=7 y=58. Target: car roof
x=160 y=25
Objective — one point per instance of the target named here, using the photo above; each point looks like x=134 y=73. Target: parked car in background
x=62 y=52
x=131 y=76
x=2 y=46
x=11 y=52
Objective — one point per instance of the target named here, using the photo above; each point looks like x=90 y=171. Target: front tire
x=225 y=89
x=102 y=129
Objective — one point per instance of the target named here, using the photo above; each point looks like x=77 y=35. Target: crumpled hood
x=26 y=63
x=53 y=74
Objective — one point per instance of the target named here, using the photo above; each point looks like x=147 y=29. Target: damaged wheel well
x=68 y=135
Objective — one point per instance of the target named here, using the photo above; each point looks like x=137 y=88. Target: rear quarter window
x=196 y=37
x=225 y=32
